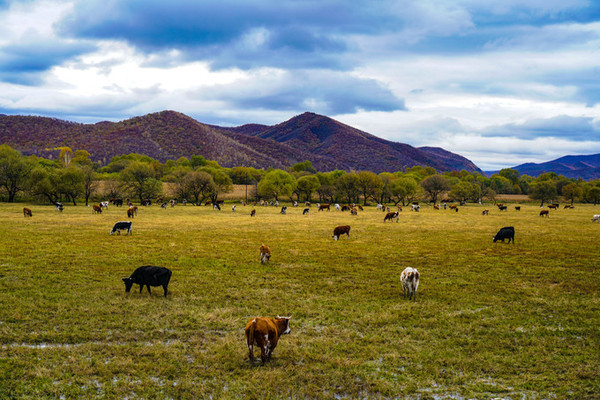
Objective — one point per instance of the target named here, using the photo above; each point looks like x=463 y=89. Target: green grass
x=491 y=320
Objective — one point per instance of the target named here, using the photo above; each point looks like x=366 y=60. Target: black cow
x=121 y=225
x=149 y=276
x=59 y=206
x=283 y=210
x=306 y=210
x=502 y=208
x=508 y=232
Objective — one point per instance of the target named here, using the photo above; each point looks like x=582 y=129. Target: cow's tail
x=250 y=340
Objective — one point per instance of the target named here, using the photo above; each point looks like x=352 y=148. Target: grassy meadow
x=491 y=320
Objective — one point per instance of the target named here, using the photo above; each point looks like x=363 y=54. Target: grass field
x=491 y=320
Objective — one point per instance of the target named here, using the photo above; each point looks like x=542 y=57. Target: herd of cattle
x=262 y=331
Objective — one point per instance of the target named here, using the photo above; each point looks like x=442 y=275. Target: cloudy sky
x=500 y=82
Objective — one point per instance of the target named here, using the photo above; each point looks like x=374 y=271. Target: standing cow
x=391 y=215
x=265 y=333
x=149 y=275
x=27 y=212
x=410 y=282
x=265 y=253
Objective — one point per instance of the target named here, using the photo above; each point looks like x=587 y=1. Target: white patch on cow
x=335 y=237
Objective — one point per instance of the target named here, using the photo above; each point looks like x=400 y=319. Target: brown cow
x=391 y=215
x=436 y=207
x=340 y=230
x=96 y=209
x=134 y=208
x=253 y=212
x=324 y=207
x=354 y=211
x=360 y=208
x=452 y=206
x=545 y=213
x=27 y=212
x=130 y=212
x=265 y=254
x=265 y=332
x=553 y=206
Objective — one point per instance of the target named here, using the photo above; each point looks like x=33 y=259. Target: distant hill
x=586 y=167
x=327 y=143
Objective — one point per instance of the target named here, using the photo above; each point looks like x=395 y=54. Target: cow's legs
x=165 y=289
x=251 y=353
x=141 y=288
x=148 y=286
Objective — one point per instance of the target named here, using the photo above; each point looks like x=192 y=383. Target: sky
x=499 y=82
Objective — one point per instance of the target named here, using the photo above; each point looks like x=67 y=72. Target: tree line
x=74 y=177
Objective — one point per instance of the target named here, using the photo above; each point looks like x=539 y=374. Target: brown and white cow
x=485 y=212
x=96 y=209
x=391 y=215
x=410 y=282
x=340 y=230
x=544 y=213
x=27 y=212
x=130 y=212
x=265 y=254
x=265 y=333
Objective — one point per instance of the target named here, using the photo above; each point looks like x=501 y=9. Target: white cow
x=596 y=218
x=410 y=282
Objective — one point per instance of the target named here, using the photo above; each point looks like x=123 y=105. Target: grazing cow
x=122 y=225
x=452 y=206
x=253 y=212
x=544 y=213
x=503 y=208
x=27 y=212
x=324 y=207
x=104 y=204
x=283 y=210
x=295 y=203
x=265 y=254
x=149 y=275
x=399 y=207
x=553 y=206
x=59 y=206
x=233 y=208
x=518 y=208
x=96 y=209
x=130 y=213
x=216 y=206
x=340 y=230
x=265 y=333
x=353 y=211
x=337 y=207
x=118 y=202
x=508 y=232
x=163 y=205
x=306 y=210
x=415 y=207
x=410 y=282
x=485 y=212
x=173 y=202
x=596 y=218
x=569 y=206
x=500 y=205
x=391 y=215
x=345 y=208
x=379 y=207
x=307 y=204
x=436 y=207
x=361 y=208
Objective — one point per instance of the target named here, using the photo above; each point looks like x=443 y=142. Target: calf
x=121 y=225
x=508 y=232
x=391 y=215
x=149 y=276
x=265 y=333
x=324 y=207
x=410 y=282
x=27 y=212
x=340 y=230
x=96 y=209
x=265 y=254
x=596 y=218
x=544 y=213
x=306 y=210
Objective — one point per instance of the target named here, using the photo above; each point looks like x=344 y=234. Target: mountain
x=327 y=143
x=586 y=167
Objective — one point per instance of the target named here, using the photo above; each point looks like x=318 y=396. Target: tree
x=386 y=180
x=14 y=170
x=347 y=186
x=464 y=191
x=369 y=184
x=90 y=182
x=71 y=182
x=303 y=166
x=434 y=185
x=276 y=183
x=593 y=194
x=139 y=180
x=307 y=185
x=572 y=191
x=543 y=190
x=65 y=155
x=403 y=189
x=223 y=183
x=245 y=176
x=326 y=188
x=199 y=185
x=45 y=182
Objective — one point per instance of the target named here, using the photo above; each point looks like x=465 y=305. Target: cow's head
x=287 y=324
x=128 y=284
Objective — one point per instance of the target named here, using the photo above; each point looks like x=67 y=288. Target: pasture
x=491 y=320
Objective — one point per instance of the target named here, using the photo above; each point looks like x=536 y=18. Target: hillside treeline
x=73 y=177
